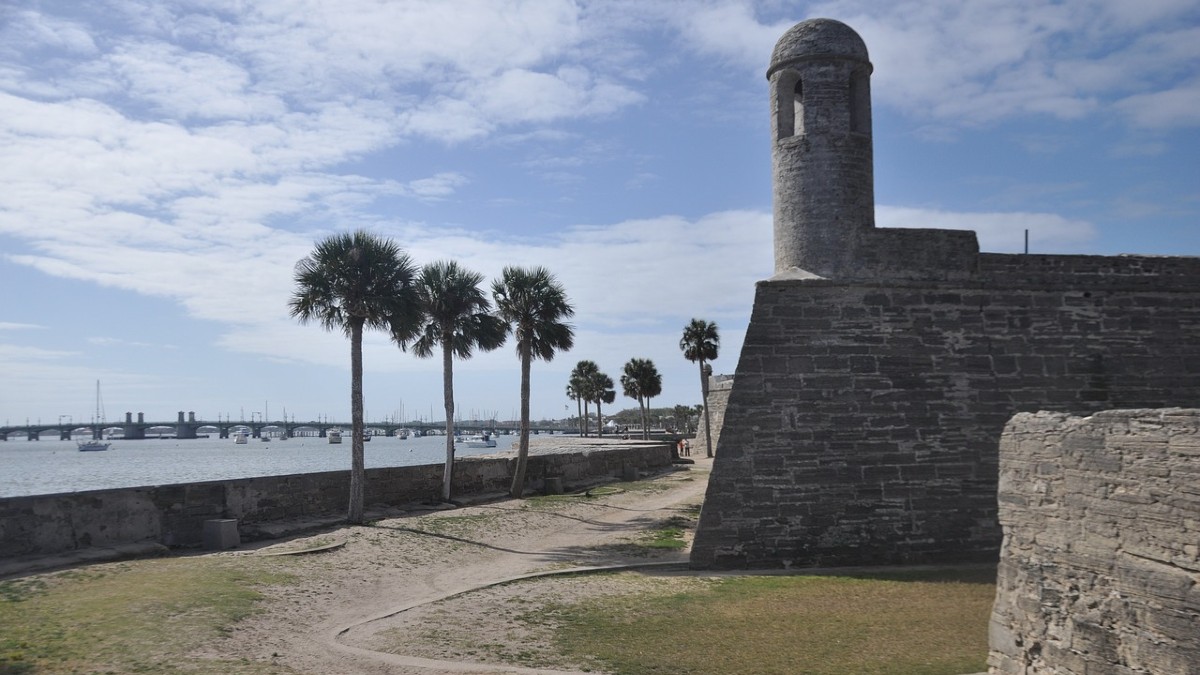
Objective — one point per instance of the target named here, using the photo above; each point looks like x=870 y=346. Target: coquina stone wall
x=1100 y=566
x=719 y=387
x=865 y=417
x=174 y=515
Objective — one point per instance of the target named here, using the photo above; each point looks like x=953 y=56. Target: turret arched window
x=789 y=105
x=798 y=108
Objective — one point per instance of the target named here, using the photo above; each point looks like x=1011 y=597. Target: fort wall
x=864 y=422
x=1100 y=564
x=719 y=387
x=174 y=515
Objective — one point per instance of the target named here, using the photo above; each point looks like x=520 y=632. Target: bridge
x=187 y=426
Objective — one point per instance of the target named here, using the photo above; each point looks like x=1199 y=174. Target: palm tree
x=350 y=282
x=456 y=315
x=574 y=395
x=534 y=304
x=683 y=418
x=700 y=342
x=582 y=376
x=602 y=392
x=640 y=380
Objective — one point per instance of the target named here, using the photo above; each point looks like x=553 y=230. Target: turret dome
x=817 y=38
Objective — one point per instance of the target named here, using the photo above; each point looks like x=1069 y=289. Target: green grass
x=143 y=616
x=667 y=534
x=901 y=624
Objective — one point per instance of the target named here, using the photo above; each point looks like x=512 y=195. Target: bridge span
x=187 y=426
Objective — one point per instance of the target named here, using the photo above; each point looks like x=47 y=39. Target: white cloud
x=8 y=325
x=187 y=84
x=1174 y=108
x=24 y=31
x=1001 y=232
x=970 y=63
x=118 y=342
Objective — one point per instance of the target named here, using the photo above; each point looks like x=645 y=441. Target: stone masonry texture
x=865 y=417
x=1100 y=566
x=719 y=387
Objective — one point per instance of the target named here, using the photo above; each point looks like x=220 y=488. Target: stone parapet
x=174 y=515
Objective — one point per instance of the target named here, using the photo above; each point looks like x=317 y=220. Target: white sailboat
x=95 y=445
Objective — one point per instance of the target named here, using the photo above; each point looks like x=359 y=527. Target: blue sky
x=164 y=164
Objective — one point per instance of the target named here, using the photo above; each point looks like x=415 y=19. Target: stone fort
x=880 y=366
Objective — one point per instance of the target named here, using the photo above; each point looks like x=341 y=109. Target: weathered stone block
x=221 y=533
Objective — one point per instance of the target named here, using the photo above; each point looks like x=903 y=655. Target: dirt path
x=331 y=622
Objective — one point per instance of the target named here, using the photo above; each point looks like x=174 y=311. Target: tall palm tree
x=583 y=376
x=640 y=380
x=700 y=343
x=350 y=282
x=602 y=392
x=534 y=304
x=456 y=315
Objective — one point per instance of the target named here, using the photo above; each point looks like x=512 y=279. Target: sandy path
x=329 y=622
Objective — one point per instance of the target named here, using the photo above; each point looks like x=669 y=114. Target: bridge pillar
x=34 y=436
x=135 y=431
x=183 y=429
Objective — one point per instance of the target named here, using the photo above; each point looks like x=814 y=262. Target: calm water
x=47 y=467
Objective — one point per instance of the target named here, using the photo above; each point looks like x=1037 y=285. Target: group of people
x=684 y=447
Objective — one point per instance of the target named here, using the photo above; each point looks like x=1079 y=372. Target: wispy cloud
x=972 y=63
x=118 y=342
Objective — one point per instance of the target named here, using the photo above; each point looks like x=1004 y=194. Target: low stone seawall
x=174 y=515
x=1100 y=564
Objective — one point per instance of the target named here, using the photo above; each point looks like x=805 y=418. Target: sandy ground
x=414 y=594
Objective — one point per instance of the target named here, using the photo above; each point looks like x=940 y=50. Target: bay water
x=52 y=466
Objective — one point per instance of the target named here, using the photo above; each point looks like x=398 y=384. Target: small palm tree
x=640 y=380
x=700 y=343
x=573 y=394
x=683 y=418
x=456 y=315
x=583 y=376
x=350 y=282
x=602 y=392
x=534 y=305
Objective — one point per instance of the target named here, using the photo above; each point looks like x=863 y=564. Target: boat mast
x=98 y=417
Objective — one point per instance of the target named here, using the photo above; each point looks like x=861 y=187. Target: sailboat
x=95 y=445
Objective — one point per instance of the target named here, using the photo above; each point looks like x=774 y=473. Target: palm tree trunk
x=448 y=399
x=579 y=409
x=599 y=421
x=587 y=427
x=704 y=395
x=358 y=474
x=518 y=484
x=645 y=424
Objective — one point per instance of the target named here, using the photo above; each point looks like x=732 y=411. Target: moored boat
x=477 y=441
x=93 y=446
x=335 y=436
